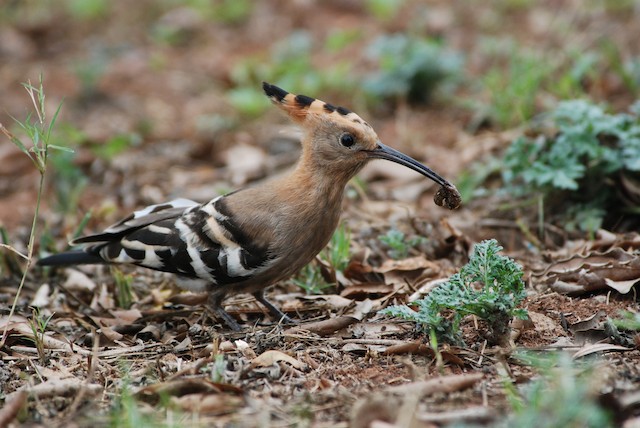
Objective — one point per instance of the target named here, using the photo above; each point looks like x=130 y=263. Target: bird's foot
x=273 y=310
x=228 y=319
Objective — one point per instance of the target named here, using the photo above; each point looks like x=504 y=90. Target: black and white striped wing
x=182 y=237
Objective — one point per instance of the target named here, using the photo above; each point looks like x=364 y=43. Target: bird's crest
x=301 y=107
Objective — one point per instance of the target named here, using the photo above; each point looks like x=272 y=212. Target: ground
x=162 y=100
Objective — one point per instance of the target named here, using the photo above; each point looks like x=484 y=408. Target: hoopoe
x=252 y=238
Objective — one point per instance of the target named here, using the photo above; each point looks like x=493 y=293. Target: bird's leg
x=277 y=313
x=215 y=304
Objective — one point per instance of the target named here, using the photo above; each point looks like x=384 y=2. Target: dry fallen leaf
x=614 y=268
x=207 y=403
x=269 y=358
x=598 y=347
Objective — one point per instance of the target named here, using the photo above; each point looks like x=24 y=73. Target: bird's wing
x=144 y=217
x=182 y=237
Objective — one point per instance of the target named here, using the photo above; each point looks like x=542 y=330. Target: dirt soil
x=161 y=355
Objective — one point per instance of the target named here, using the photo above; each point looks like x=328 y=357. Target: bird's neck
x=324 y=181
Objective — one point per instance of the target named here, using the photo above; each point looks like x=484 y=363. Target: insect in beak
x=447 y=196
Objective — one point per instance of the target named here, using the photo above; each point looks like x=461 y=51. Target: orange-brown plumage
x=252 y=238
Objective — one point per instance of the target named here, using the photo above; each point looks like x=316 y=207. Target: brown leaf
x=410 y=264
x=596 y=271
x=431 y=386
x=324 y=327
x=419 y=348
x=150 y=332
x=127 y=316
x=598 y=347
x=269 y=358
x=589 y=323
x=360 y=291
x=78 y=281
x=178 y=387
x=622 y=286
x=359 y=271
x=209 y=403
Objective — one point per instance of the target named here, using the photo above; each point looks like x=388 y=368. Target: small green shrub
x=513 y=88
x=383 y=10
x=336 y=257
x=310 y=279
x=337 y=252
x=583 y=159
x=410 y=68
x=399 y=245
x=564 y=396
x=489 y=286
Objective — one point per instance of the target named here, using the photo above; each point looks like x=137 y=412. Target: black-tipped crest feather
x=274 y=92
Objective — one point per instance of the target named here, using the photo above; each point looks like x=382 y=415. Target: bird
x=252 y=238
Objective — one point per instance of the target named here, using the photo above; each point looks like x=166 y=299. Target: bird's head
x=341 y=141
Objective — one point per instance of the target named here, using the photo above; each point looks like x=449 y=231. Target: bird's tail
x=71 y=258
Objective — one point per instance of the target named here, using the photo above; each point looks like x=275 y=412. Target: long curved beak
x=386 y=152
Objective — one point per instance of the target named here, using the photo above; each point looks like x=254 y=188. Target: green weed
x=38 y=324
x=582 y=160
x=564 y=396
x=411 y=68
x=39 y=131
x=489 y=286
x=336 y=256
x=217 y=368
x=87 y=9
x=124 y=290
x=337 y=252
x=399 y=246
x=128 y=413
x=513 y=88
x=384 y=10
x=310 y=279
x=627 y=321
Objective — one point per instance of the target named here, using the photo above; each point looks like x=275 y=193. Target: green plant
x=410 y=68
x=116 y=145
x=38 y=324
x=124 y=291
x=39 y=131
x=310 y=279
x=583 y=160
x=217 y=368
x=627 y=321
x=565 y=395
x=579 y=68
x=87 y=9
x=232 y=11
x=127 y=413
x=336 y=256
x=384 y=10
x=489 y=286
x=337 y=252
x=513 y=87
x=399 y=245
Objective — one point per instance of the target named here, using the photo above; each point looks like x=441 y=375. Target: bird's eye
x=347 y=139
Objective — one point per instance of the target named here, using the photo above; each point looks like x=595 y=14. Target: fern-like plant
x=489 y=286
